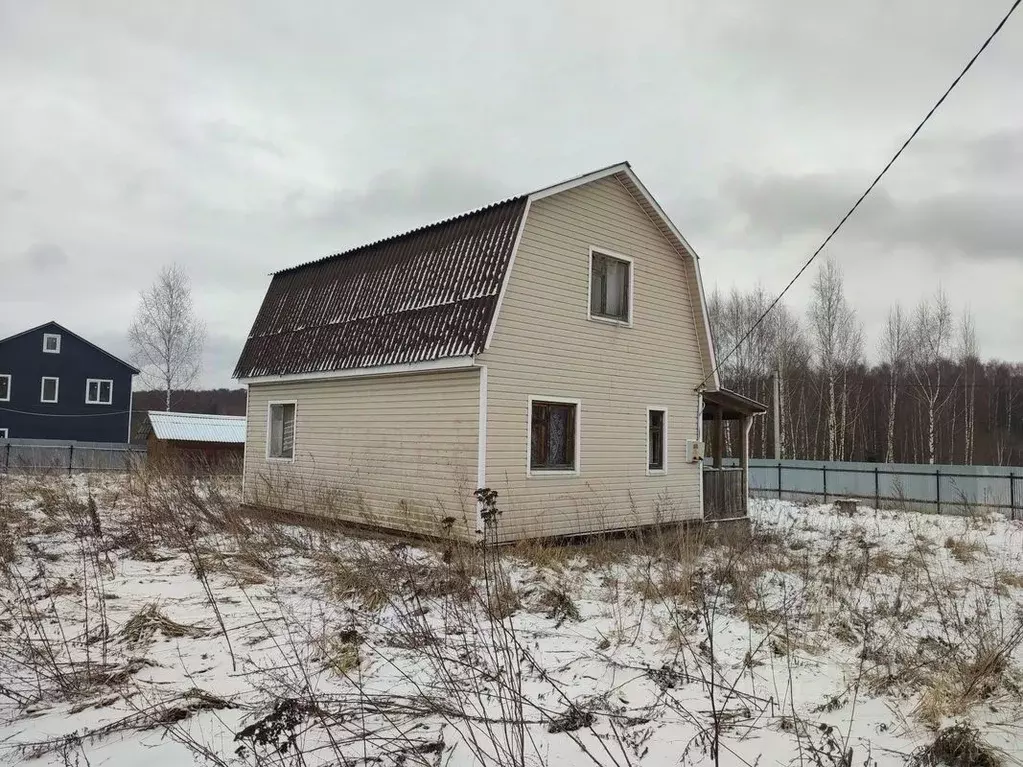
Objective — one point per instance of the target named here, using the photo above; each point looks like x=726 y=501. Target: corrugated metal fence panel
x=41 y=455
x=945 y=488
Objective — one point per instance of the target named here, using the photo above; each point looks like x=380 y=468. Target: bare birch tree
x=836 y=339
x=932 y=343
x=894 y=353
x=968 y=361
x=166 y=337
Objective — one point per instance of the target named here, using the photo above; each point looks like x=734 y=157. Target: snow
x=815 y=634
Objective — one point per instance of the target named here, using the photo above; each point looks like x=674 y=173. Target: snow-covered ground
x=162 y=629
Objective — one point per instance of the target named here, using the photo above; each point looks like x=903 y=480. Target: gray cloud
x=44 y=256
x=243 y=137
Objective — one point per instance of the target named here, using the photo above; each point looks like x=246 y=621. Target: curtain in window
x=617 y=288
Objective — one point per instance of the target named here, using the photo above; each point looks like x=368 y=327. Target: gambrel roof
x=427 y=295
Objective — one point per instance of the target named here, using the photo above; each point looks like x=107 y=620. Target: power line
x=870 y=188
x=66 y=415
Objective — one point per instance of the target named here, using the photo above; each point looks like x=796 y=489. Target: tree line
x=926 y=396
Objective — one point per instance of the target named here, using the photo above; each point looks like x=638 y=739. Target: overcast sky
x=239 y=137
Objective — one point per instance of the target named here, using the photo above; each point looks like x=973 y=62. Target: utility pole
x=776 y=379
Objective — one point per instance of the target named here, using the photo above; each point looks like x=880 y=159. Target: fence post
x=877 y=490
x=779 y=480
x=824 y=470
x=1012 y=493
x=7 y=460
x=937 y=488
x=70 y=459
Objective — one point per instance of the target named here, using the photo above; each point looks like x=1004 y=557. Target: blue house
x=56 y=385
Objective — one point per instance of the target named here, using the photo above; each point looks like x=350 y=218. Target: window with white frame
x=99 y=391
x=553 y=436
x=3 y=433
x=51 y=343
x=656 y=439
x=610 y=287
x=49 y=390
x=281 y=438
x=5 y=387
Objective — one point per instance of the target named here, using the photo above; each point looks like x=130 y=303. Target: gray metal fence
x=942 y=489
x=45 y=455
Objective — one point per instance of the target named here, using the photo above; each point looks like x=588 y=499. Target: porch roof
x=730 y=404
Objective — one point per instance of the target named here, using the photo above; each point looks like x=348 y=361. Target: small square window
x=99 y=391
x=552 y=442
x=656 y=427
x=3 y=433
x=51 y=343
x=281 y=439
x=610 y=287
x=50 y=390
x=5 y=387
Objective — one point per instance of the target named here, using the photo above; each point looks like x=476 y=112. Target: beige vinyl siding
x=545 y=346
x=396 y=452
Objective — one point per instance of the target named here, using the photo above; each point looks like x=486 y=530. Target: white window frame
x=89 y=382
x=56 y=390
x=294 y=439
x=47 y=337
x=4 y=433
x=595 y=250
x=664 y=439
x=540 y=473
x=10 y=383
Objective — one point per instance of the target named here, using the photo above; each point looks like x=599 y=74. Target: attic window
x=5 y=387
x=610 y=287
x=280 y=443
x=51 y=343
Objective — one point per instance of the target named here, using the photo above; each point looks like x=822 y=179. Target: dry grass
x=963 y=550
x=149 y=621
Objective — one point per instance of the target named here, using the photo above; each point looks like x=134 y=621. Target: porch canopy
x=726 y=489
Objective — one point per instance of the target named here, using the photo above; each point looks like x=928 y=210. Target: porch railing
x=723 y=493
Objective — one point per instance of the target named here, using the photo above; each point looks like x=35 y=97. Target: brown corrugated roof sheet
x=424 y=295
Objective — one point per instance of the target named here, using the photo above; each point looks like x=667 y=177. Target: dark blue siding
x=70 y=418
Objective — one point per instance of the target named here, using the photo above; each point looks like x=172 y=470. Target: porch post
x=747 y=424
x=719 y=438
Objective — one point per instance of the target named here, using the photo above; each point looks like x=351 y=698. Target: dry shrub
x=1009 y=579
x=956 y=746
x=149 y=620
x=963 y=551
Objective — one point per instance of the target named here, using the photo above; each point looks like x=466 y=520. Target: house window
x=656 y=439
x=281 y=442
x=49 y=390
x=3 y=433
x=610 y=287
x=5 y=387
x=553 y=436
x=99 y=391
x=51 y=343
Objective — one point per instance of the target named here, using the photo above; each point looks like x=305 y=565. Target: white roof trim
x=564 y=186
x=446 y=363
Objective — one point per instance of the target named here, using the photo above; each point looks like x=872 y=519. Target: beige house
x=553 y=347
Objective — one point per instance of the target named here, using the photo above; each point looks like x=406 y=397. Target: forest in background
x=922 y=394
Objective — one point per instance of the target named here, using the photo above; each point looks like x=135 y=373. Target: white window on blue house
x=99 y=391
x=51 y=343
x=49 y=390
x=3 y=433
x=5 y=387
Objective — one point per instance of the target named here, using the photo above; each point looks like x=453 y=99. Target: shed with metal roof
x=196 y=439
